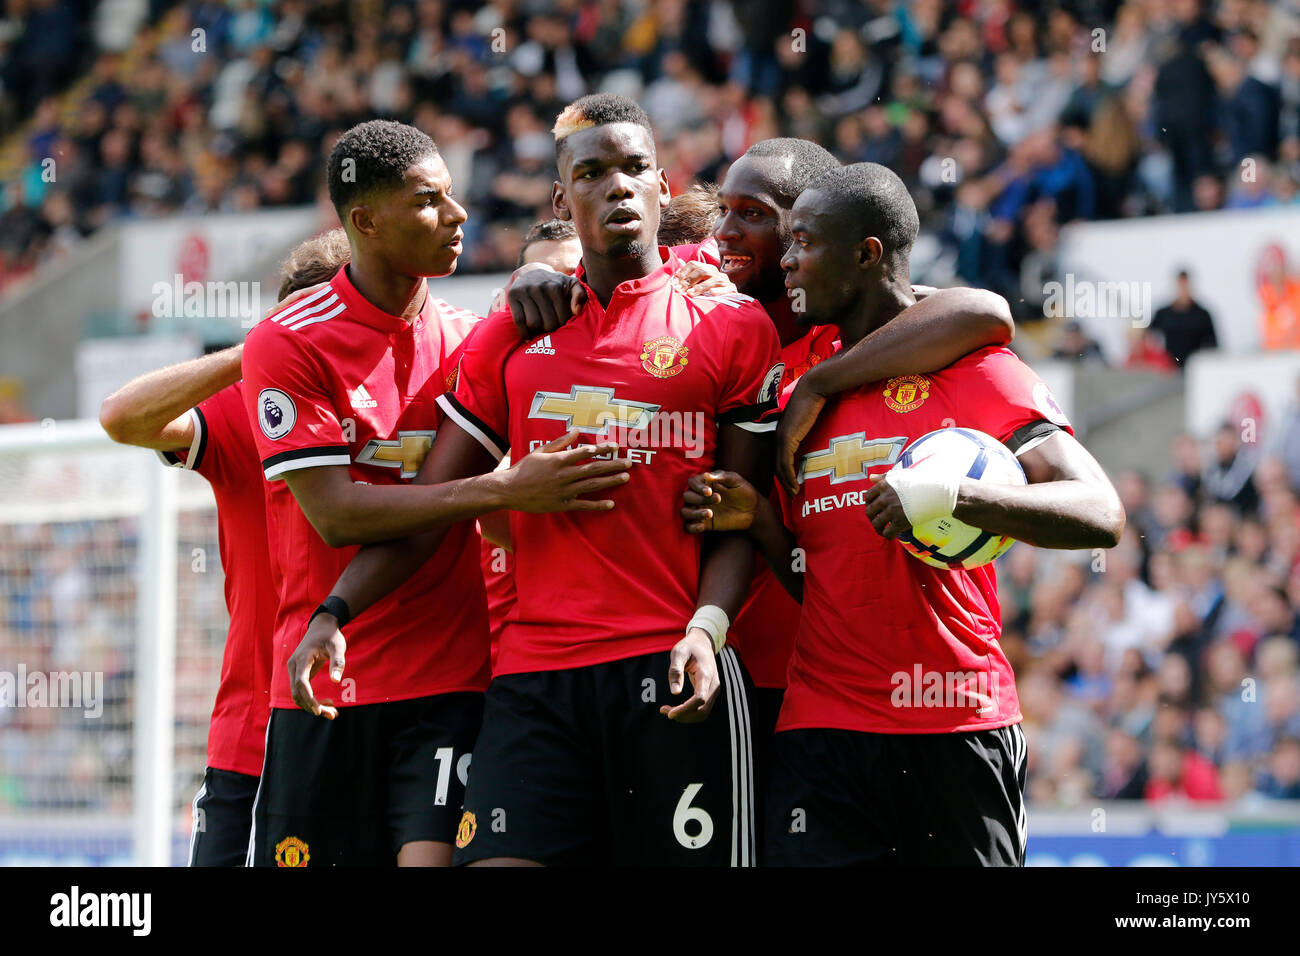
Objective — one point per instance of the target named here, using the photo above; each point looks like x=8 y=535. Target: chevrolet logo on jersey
x=848 y=457
x=592 y=410
x=406 y=451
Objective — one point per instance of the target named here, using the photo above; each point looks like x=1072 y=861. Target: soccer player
x=752 y=232
x=554 y=243
x=871 y=766
x=193 y=415
x=341 y=387
x=576 y=763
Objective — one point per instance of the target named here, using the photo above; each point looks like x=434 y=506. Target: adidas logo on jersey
x=541 y=347
x=360 y=398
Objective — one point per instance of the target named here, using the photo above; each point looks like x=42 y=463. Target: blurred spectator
x=1287 y=444
x=1249 y=108
x=1077 y=346
x=1184 y=326
x=1279 y=294
x=1229 y=477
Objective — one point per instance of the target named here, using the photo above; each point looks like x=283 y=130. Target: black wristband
x=335 y=606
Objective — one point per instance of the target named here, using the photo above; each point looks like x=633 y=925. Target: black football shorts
x=222 y=818
x=844 y=798
x=354 y=790
x=577 y=767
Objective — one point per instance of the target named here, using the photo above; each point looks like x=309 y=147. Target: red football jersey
x=706 y=251
x=658 y=371
x=224 y=453
x=333 y=380
x=763 y=632
x=886 y=643
x=499 y=580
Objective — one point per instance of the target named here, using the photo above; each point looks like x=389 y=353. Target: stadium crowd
x=1006 y=120
x=1166 y=669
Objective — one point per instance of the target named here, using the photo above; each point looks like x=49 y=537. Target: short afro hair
x=597 y=110
x=380 y=151
x=807 y=162
x=548 y=230
x=313 y=261
x=870 y=200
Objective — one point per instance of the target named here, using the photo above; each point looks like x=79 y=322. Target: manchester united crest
x=906 y=393
x=291 y=852
x=465 y=832
x=664 y=357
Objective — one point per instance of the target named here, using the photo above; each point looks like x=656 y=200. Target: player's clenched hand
x=555 y=476
x=884 y=509
x=541 y=299
x=718 y=501
x=702 y=278
x=322 y=644
x=693 y=657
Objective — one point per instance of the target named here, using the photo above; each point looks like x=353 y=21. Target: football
x=948 y=542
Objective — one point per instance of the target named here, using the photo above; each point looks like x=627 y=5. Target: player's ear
x=665 y=193
x=870 y=251
x=362 y=218
x=559 y=202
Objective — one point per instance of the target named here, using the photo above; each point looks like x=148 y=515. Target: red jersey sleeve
x=294 y=421
x=1011 y=403
x=751 y=381
x=478 y=403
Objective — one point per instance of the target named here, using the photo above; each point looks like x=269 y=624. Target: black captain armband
x=1030 y=436
x=335 y=606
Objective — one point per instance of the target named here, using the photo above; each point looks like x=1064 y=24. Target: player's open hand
x=797 y=419
x=718 y=501
x=322 y=644
x=702 y=278
x=885 y=509
x=555 y=477
x=693 y=657
x=541 y=299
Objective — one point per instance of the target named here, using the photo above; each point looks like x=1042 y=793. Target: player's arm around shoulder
x=942 y=327
x=153 y=410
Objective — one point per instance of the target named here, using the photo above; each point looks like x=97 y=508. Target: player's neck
x=389 y=292
x=879 y=303
x=781 y=312
x=604 y=274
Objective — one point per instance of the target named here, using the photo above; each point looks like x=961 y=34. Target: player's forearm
x=930 y=335
x=379 y=569
x=725 y=571
x=1054 y=514
x=366 y=514
x=140 y=411
x=776 y=543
